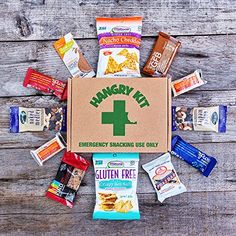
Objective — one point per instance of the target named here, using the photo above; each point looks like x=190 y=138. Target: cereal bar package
x=71 y=171
x=119 y=40
x=116 y=183
x=164 y=177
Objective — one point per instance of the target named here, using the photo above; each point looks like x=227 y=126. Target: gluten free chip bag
x=119 y=40
x=116 y=183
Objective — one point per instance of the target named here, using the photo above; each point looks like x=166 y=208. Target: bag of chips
x=119 y=40
x=116 y=182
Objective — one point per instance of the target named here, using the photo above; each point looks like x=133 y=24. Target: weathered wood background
x=207 y=30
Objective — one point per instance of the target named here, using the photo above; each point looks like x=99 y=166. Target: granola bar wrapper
x=200 y=118
x=23 y=119
x=119 y=41
x=116 y=183
x=164 y=177
x=66 y=184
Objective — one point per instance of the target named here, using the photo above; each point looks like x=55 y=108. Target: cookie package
x=66 y=184
x=162 y=55
x=119 y=41
x=69 y=52
x=200 y=118
x=193 y=156
x=24 y=119
x=116 y=177
x=46 y=84
x=164 y=177
x=49 y=149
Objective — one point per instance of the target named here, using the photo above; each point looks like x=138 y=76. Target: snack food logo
x=214 y=118
x=120 y=29
x=23 y=117
x=116 y=164
x=161 y=170
x=118 y=118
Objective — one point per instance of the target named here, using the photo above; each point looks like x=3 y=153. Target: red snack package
x=71 y=171
x=45 y=84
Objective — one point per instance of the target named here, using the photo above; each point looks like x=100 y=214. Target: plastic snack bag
x=119 y=40
x=116 y=183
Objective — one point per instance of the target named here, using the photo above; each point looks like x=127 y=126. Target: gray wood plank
x=213 y=54
x=21 y=176
x=36 y=20
x=187 y=214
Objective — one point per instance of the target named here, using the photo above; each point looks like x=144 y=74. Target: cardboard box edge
x=69 y=116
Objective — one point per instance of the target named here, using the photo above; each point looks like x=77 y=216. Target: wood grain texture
x=37 y=20
x=215 y=55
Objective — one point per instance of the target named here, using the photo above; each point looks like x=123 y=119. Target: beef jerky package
x=71 y=171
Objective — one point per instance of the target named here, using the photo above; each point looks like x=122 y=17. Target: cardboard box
x=119 y=115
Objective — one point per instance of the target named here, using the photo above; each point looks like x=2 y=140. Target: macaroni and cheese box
x=119 y=115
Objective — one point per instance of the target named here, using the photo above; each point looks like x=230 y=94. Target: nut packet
x=65 y=186
x=116 y=183
x=119 y=41
x=164 y=177
x=24 y=119
x=200 y=118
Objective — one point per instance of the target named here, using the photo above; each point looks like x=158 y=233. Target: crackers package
x=116 y=182
x=164 y=177
x=119 y=40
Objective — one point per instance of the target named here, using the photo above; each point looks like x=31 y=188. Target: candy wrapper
x=24 y=119
x=193 y=156
x=164 y=177
x=187 y=83
x=65 y=186
x=49 y=149
x=199 y=118
x=119 y=40
x=162 y=55
x=45 y=84
x=116 y=183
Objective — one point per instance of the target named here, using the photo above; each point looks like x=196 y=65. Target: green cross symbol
x=118 y=118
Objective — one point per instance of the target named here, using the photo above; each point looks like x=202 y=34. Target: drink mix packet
x=69 y=52
x=162 y=55
x=119 y=41
x=66 y=184
x=46 y=84
x=116 y=177
x=24 y=119
x=164 y=177
x=200 y=118
x=193 y=156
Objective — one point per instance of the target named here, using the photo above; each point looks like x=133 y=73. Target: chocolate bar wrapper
x=24 y=119
x=65 y=186
x=164 y=177
x=193 y=156
x=200 y=118
x=45 y=84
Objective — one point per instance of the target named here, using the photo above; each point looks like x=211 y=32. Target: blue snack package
x=24 y=119
x=192 y=155
x=200 y=118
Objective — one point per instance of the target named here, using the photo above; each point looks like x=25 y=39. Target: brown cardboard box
x=119 y=115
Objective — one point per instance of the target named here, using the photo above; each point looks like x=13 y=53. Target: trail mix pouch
x=193 y=156
x=164 y=177
x=24 y=119
x=199 y=118
x=119 y=41
x=162 y=55
x=69 y=52
x=45 y=84
x=65 y=186
x=116 y=183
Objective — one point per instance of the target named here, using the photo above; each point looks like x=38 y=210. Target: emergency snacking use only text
x=71 y=171
x=192 y=155
x=164 y=177
x=119 y=41
x=199 y=118
x=162 y=55
x=116 y=183
x=73 y=58
x=24 y=119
